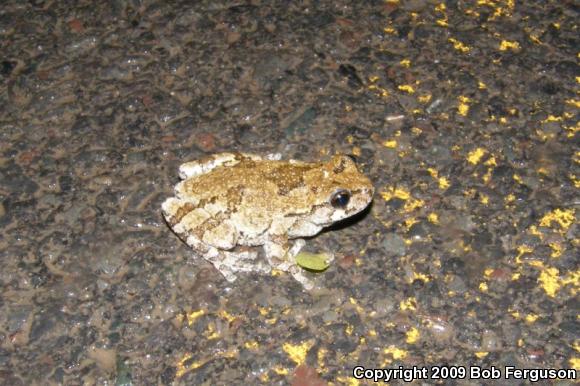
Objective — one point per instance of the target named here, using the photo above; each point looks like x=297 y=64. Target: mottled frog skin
x=228 y=202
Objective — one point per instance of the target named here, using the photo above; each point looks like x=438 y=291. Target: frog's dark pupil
x=340 y=199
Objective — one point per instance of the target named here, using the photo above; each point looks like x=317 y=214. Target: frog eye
x=340 y=199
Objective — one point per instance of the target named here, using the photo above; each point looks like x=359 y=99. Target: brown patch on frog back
x=234 y=197
x=180 y=213
x=288 y=177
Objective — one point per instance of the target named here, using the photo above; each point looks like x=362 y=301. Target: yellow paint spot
x=393 y=192
x=443 y=183
x=556 y=250
x=487 y=176
x=419 y=276
x=433 y=217
x=575 y=180
x=552 y=118
x=575 y=363
x=390 y=144
x=481 y=354
x=280 y=370
x=320 y=356
x=226 y=315
x=516 y=276
x=509 y=198
x=297 y=353
x=271 y=321
x=517 y=178
x=251 y=345
x=522 y=249
x=182 y=368
x=507 y=45
x=550 y=281
x=573 y=278
x=407 y=88
x=531 y=318
x=211 y=332
x=481 y=85
x=535 y=38
x=475 y=155
x=389 y=30
x=410 y=222
x=413 y=204
x=395 y=352
x=573 y=102
x=413 y=335
x=349 y=329
x=463 y=107
x=491 y=161
x=459 y=46
x=408 y=304
x=193 y=315
x=264 y=377
x=424 y=98
x=564 y=218
x=405 y=63
x=484 y=198
x=410 y=204
x=264 y=311
x=483 y=286
x=357 y=306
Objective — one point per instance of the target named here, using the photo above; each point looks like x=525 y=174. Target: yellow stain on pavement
x=297 y=352
x=564 y=218
x=507 y=45
x=475 y=155
x=412 y=336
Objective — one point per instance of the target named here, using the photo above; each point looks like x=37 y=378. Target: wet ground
x=463 y=113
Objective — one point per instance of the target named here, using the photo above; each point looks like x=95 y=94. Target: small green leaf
x=313 y=261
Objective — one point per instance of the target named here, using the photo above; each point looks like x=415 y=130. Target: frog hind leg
x=228 y=263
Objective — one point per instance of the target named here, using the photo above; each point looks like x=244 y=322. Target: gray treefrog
x=229 y=202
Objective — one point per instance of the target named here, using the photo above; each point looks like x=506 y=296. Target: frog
x=228 y=205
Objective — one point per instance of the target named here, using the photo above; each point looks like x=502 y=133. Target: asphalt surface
x=464 y=114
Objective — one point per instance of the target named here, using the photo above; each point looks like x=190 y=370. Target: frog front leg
x=282 y=256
